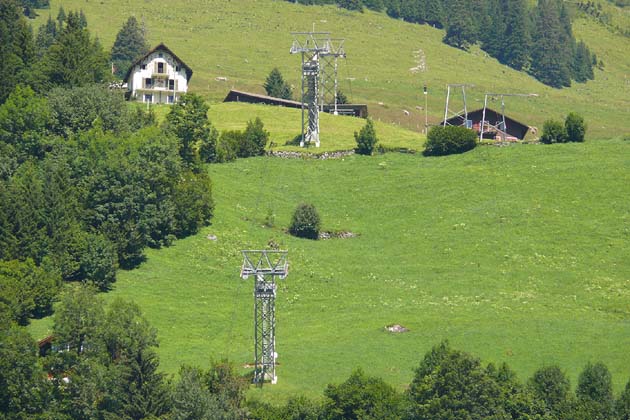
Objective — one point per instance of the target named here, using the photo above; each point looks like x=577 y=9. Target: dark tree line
x=537 y=40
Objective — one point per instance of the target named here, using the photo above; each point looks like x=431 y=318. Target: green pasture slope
x=516 y=254
x=242 y=40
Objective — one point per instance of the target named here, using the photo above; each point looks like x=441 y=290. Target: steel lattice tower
x=315 y=47
x=265 y=266
x=463 y=114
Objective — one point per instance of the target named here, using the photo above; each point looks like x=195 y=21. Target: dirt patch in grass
x=342 y=234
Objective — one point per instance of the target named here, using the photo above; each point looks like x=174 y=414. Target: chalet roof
x=160 y=47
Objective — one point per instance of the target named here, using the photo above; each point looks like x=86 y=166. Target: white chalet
x=159 y=77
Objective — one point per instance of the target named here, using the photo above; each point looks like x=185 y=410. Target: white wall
x=160 y=85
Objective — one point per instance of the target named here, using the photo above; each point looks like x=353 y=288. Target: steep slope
x=243 y=40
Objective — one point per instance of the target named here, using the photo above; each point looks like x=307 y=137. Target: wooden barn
x=355 y=110
x=496 y=127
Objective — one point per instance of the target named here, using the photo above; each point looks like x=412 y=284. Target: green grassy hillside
x=516 y=254
x=242 y=40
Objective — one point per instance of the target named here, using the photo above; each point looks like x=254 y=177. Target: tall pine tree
x=74 y=59
x=460 y=29
x=549 y=60
x=276 y=86
x=16 y=46
x=46 y=35
x=516 y=37
x=130 y=45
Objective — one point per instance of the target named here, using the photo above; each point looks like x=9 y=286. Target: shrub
x=254 y=139
x=449 y=140
x=553 y=132
x=575 y=127
x=305 y=222
x=228 y=145
x=366 y=139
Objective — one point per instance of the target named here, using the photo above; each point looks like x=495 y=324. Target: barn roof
x=479 y=111
x=241 y=96
x=357 y=110
x=160 y=47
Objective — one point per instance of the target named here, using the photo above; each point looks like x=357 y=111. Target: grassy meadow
x=517 y=254
x=243 y=40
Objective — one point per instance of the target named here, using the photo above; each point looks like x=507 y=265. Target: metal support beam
x=319 y=77
x=501 y=126
x=265 y=266
x=447 y=110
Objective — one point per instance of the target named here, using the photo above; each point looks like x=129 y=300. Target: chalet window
x=160 y=67
x=143 y=67
x=171 y=84
x=160 y=55
x=177 y=68
x=148 y=83
x=148 y=97
x=170 y=99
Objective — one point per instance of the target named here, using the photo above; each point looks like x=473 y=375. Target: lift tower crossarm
x=482 y=123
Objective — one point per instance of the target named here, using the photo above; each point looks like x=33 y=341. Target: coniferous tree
x=582 y=63
x=376 y=5
x=46 y=35
x=74 y=59
x=516 y=38
x=460 y=28
x=16 y=46
x=393 y=9
x=492 y=37
x=434 y=13
x=356 y=5
x=82 y=19
x=61 y=18
x=130 y=45
x=276 y=86
x=549 y=63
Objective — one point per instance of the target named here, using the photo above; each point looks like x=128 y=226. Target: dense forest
x=537 y=40
x=86 y=181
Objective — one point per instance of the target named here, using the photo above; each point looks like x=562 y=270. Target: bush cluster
x=573 y=130
x=234 y=144
x=449 y=140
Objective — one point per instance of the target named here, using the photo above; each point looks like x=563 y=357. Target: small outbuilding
x=159 y=77
x=496 y=125
x=355 y=110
